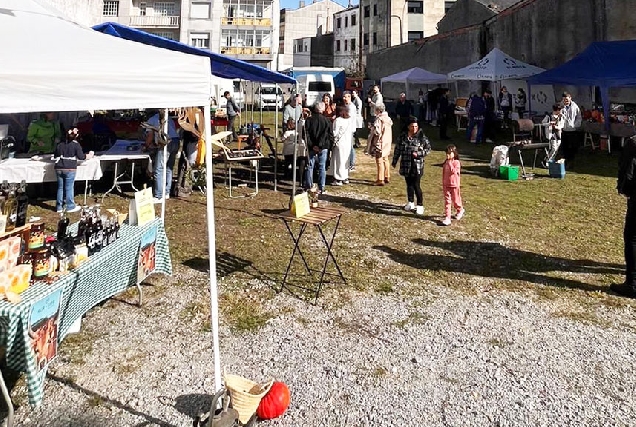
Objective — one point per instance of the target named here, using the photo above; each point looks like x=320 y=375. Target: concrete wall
x=322 y=51
x=85 y=12
x=464 y=14
x=545 y=33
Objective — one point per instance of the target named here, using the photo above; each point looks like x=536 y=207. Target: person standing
x=505 y=103
x=451 y=171
x=373 y=101
x=380 y=140
x=403 y=110
x=67 y=153
x=520 y=102
x=626 y=185
x=319 y=142
x=490 y=117
x=233 y=111
x=570 y=136
x=330 y=107
x=43 y=134
x=293 y=110
x=411 y=149
x=352 y=113
x=476 y=115
x=443 y=114
x=154 y=145
x=355 y=99
x=342 y=145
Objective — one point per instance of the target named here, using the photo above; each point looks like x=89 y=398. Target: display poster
x=147 y=254
x=142 y=209
x=300 y=205
x=44 y=327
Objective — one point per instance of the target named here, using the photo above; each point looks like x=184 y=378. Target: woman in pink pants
x=451 y=183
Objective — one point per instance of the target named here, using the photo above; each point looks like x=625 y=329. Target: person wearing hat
x=43 y=134
x=411 y=149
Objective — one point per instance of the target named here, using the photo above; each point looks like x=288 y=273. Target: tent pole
x=214 y=298
x=165 y=168
x=276 y=141
x=298 y=136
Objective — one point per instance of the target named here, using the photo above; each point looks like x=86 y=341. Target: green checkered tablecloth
x=103 y=275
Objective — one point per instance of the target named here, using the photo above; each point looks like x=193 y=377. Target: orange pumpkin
x=275 y=402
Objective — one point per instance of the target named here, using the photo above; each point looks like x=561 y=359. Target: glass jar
x=36 y=236
x=41 y=263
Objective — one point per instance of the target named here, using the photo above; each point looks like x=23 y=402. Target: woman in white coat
x=343 y=138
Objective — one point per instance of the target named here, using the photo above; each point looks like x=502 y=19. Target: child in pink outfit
x=451 y=183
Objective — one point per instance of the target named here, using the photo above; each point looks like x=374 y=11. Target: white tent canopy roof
x=494 y=67
x=416 y=76
x=52 y=64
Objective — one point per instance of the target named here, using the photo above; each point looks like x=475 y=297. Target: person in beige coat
x=379 y=146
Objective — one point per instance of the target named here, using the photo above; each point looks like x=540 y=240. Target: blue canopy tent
x=222 y=66
x=603 y=64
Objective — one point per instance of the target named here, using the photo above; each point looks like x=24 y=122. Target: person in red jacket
x=451 y=181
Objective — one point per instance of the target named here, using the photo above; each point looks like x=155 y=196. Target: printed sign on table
x=147 y=254
x=300 y=205
x=44 y=327
x=142 y=209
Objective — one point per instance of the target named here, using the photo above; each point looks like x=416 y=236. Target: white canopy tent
x=99 y=72
x=495 y=66
x=415 y=76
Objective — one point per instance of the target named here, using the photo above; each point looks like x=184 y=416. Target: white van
x=312 y=87
x=268 y=96
x=236 y=89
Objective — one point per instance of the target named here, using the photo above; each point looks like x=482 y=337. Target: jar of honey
x=41 y=263
x=36 y=236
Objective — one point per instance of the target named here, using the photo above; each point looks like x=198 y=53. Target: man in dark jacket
x=476 y=115
x=319 y=142
x=491 y=117
x=403 y=110
x=627 y=187
x=233 y=111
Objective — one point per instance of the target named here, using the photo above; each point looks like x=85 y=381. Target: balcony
x=257 y=22
x=154 y=21
x=245 y=50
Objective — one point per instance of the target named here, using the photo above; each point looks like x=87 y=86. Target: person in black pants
x=626 y=186
x=571 y=135
x=443 y=114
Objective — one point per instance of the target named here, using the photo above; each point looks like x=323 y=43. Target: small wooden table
x=317 y=217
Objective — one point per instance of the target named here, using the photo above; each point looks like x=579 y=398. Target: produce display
x=27 y=254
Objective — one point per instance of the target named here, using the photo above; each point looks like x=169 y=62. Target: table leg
x=141 y=294
x=85 y=191
x=296 y=240
x=132 y=177
x=329 y=245
x=110 y=190
x=7 y=399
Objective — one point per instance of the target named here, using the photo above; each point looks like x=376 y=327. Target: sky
x=293 y=4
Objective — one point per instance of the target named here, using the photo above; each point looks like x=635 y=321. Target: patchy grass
x=414 y=318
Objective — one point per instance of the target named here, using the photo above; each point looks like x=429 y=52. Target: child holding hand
x=451 y=184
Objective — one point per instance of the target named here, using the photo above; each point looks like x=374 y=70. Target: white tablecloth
x=124 y=149
x=36 y=171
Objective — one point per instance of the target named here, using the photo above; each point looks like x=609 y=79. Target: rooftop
x=498 y=5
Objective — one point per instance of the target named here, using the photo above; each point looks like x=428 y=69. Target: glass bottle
x=62 y=227
x=10 y=208
x=22 y=201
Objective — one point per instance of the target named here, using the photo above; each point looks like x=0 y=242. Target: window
x=346 y=21
x=165 y=34
x=415 y=6
x=337 y=45
x=111 y=8
x=165 y=9
x=200 y=40
x=375 y=39
x=200 y=11
x=365 y=39
x=306 y=47
x=346 y=45
x=353 y=44
x=448 y=5
x=367 y=10
x=353 y=20
x=415 y=35
x=338 y=22
x=319 y=87
x=375 y=10
x=142 y=9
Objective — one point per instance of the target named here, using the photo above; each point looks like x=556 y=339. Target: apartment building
x=388 y=23
x=308 y=20
x=242 y=29
x=346 y=34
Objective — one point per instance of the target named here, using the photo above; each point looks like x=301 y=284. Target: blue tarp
x=222 y=66
x=602 y=64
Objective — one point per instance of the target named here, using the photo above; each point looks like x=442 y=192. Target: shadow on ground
x=487 y=259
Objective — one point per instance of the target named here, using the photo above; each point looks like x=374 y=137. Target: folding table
x=317 y=217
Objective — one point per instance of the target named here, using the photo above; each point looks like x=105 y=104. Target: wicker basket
x=245 y=395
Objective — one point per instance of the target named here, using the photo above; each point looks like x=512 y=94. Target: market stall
x=415 y=76
x=110 y=74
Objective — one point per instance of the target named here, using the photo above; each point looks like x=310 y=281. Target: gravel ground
x=442 y=358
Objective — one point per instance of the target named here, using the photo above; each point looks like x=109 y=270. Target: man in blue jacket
x=476 y=117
